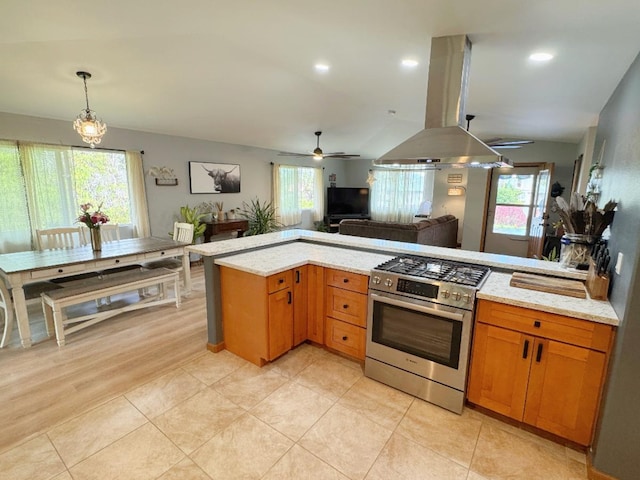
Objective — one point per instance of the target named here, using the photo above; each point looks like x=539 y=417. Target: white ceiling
x=241 y=71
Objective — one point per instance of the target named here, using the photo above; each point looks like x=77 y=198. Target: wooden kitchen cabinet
x=301 y=297
x=291 y=307
x=259 y=329
x=315 y=306
x=346 y=312
x=543 y=369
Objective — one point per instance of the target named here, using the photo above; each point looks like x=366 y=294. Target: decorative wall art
x=207 y=177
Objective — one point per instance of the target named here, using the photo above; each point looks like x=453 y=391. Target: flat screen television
x=347 y=201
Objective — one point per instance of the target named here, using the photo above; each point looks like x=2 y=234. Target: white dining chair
x=60 y=237
x=182 y=232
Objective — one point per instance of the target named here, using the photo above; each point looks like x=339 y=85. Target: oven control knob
x=456 y=295
x=388 y=282
x=467 y=298
x=445 y=293
x=375 y=280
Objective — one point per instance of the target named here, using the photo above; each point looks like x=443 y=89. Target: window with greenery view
x=43 y=186
x=296 y=189
x=513 y=204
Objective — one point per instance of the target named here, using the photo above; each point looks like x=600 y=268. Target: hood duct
x=444 y=143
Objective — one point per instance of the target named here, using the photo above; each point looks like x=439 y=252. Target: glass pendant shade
x=90 y=128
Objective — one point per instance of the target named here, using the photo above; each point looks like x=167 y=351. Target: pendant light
x=90 y=128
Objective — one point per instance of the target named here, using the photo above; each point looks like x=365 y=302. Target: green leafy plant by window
x=261 y=217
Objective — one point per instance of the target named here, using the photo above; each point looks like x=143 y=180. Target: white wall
x=173 y=152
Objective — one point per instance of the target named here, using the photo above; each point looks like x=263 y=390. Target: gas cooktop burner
x=436 y=269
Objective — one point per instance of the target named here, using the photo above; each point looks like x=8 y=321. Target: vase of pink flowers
x=93 y=220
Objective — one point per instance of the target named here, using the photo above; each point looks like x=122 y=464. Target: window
x=296 y=189
x=44 y=185
x=513 y=204
x=396 y=195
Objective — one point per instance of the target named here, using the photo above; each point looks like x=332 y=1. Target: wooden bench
x=55 y=302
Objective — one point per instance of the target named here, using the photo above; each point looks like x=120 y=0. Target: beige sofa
x=440 y=231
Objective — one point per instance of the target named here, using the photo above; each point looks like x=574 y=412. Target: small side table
x=221 y=226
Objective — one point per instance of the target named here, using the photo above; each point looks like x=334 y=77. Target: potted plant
x=262 y=217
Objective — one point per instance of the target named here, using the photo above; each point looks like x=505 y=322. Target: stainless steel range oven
x=419 y=326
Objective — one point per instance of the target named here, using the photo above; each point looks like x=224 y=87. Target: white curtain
x=285 y=194
x=318 y=195
x=137 y=195
x=396 y=195
x=48 y=174
x=14 y=211
x=296 y=188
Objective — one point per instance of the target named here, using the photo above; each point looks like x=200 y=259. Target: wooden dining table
x=22 y=268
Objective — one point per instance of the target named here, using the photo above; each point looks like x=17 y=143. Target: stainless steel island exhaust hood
x=444 y=143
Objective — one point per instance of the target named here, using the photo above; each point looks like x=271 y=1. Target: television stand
x=333 y=221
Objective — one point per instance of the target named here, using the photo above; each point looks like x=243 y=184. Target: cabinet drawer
x=347 y=280
x=347 y=306
x=58 y=271
x=172 y=252
x=279 y=281
x=547 y=325
x=345 y=337
x=115 y=262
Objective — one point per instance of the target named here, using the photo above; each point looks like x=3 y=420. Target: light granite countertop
x=497 y=289
x=495 y=261
x=283 y=257
x=293 y=248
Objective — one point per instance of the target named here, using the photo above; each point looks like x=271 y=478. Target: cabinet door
x=500 y=369
x=280 y=322
x=300 y=304
x=315 y=315
x=564 y=389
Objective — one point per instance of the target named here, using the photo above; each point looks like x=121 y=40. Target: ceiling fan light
x=317 y=156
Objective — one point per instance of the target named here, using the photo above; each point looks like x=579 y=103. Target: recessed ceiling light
x=409 y=62
x=322 y=67
x=540 y=57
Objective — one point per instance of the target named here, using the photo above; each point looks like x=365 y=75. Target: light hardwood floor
x=44 y=385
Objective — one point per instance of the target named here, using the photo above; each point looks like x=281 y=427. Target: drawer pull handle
x=289 y=298
x=345 y=338
x=297 y=276
x=536 y=324
x=539 y=354
x=525 y=352
x=345 y=280
x=117 y=261
x=345 y=306
x=281 y=280
x=161 y=253
x=60 y=270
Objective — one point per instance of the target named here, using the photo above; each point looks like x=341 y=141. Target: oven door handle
x=420 y=308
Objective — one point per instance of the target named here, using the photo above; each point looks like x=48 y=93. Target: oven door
x=421 y=337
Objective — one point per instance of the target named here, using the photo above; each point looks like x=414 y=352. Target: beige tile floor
x=308 y=415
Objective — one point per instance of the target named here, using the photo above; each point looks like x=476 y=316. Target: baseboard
x=595 y=474
x=215 y=348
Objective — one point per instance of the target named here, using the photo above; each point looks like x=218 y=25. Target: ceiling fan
x=499 y=142
x=318 y=154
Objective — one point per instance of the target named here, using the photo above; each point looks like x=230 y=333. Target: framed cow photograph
x=207 y=177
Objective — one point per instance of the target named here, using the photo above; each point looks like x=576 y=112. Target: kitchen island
x=276 y=252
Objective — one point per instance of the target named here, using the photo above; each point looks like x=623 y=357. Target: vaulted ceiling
x=243 y=72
